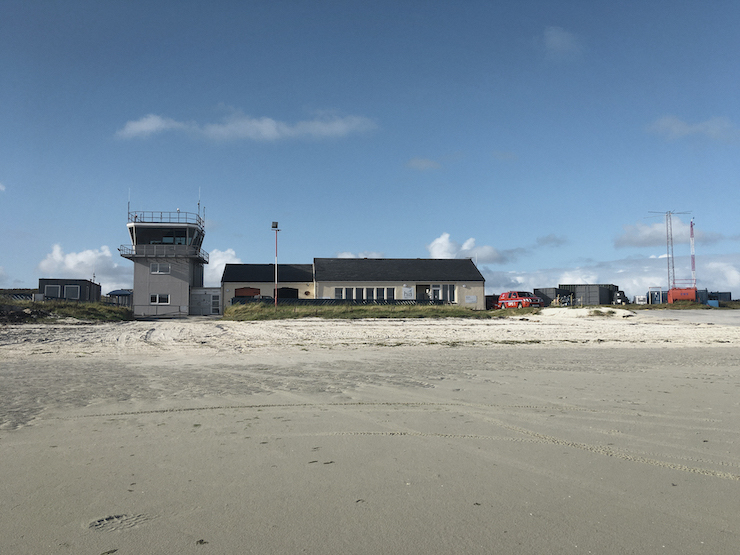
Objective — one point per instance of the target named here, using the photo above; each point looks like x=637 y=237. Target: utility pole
x=275 y=227
x=669 y=248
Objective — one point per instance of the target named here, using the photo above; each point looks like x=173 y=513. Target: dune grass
x=19 y=311
x=266 y=311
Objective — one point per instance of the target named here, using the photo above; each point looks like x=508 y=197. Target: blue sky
x=535 y=136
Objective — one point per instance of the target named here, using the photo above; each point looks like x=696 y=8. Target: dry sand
x=557 y=433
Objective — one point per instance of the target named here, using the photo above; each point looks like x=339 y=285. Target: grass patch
x=265 y=311
x=607 y=313
x=678 y=305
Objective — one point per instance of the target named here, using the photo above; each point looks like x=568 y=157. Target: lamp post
x=275 y=227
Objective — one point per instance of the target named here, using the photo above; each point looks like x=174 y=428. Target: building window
x=390 y=293
x=348 y=293
x=380 y=293
x=159 y=268
x=53 y=291
x=160 y=299
x=448 y=293
x=369 y=293
x=337 y=292
x=358 y=294
x=215 y=304
x=72 y=292
x=436 y=292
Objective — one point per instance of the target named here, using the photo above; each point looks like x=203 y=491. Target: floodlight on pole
x=275 y=227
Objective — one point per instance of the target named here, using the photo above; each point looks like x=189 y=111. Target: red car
x=519 y=299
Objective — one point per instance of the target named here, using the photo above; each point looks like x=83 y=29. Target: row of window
x=71 y=292
x=365 y=293
x=444 y=292
x=159 y=268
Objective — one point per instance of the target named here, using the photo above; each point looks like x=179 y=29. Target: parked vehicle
x=519 y=299
x=620 y=298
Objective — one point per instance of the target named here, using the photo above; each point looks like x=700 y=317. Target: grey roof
x=266 y=273
x=396 y=269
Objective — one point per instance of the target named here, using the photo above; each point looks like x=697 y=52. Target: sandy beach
x=559 y=433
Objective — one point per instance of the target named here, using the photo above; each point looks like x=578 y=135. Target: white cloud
x=214 y=270
x=654 y=235
x=2 y=187
x=240 y=126
x=560 y=44
x=718 y=129
x=82 y=265
x=363 y=254
x=423 y=164
x=578 y=275
x=724 y=273
x=148 y=125
x=444 y=247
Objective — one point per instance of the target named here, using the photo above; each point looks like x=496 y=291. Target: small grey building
x=591 y=294
x=82 y=290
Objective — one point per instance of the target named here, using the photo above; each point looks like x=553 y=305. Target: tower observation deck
x=165 y=234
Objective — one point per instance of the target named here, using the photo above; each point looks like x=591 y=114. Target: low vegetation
x=12 y=311
x=678 y=305
x=606 y=313
x=266 y=311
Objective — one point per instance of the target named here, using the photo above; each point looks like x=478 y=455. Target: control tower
x=168 y=261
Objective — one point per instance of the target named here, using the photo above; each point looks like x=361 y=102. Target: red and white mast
x=693 y=257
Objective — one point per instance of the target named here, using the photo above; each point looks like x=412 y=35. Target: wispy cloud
x=423 y=164
x=2 y=188
x=654 y=235
x=238 y=126
x=551 y=240
x=561 y=45
x=444 y=247
x=149 y=125
x=717 y=129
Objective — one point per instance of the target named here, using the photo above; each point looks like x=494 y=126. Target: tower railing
x=146 y=216
x=163 y=251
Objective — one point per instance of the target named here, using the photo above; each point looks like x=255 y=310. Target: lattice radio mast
x=669 y=246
